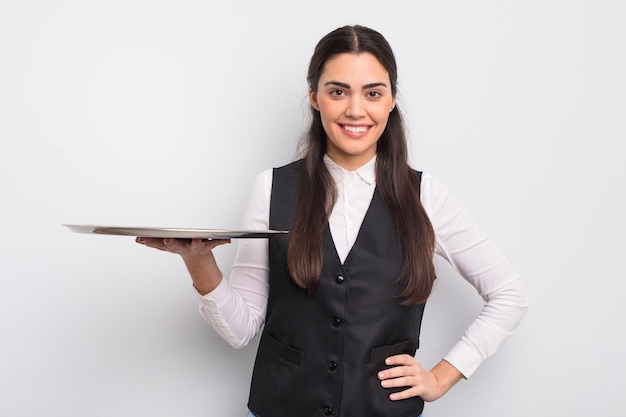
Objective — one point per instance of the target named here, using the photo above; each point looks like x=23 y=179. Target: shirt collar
x=366 y=172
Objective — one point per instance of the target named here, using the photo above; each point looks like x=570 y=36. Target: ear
x=393 y=105
x=313 y=99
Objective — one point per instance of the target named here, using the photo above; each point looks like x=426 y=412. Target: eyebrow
x=347 y=86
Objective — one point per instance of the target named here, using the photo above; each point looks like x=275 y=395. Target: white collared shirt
x=236 y=308
x=354 y=195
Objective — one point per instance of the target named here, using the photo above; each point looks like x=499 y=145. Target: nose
x=356 y=108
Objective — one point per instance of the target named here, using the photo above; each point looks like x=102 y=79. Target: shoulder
x=424 y=178
x=290 y=167
x=265 y=178
x=289 y=172
x=432 y=190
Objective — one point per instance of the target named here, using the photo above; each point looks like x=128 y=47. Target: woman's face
x=354 y=99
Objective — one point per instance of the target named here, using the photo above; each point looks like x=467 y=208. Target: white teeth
x=355 y=129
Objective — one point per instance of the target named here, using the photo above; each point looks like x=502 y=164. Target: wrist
x=204 y=272
x=445 y=377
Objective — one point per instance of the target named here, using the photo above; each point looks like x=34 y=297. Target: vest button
x=339 y=279
x=336 y=322
x=332 y=365
x=328 y=411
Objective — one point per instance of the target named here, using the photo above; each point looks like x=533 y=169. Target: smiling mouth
x=355 y=129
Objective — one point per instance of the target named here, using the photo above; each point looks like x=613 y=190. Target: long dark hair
x=396 y=182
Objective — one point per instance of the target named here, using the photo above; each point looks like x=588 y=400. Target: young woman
x=340 y=299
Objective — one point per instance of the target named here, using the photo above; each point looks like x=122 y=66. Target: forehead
x=359 y=69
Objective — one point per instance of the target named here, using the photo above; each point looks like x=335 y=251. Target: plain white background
x=160 y=113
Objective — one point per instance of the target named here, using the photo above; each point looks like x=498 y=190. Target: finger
x=400 y=365
x=402 y=359
x=403 y=395
x=404 y=381
x=151 y=242
x=391 y=373
x=187 y=247
x=204 y=246
x=174 y=245
x=171 y=245
x=218 y=242
x=182 y=246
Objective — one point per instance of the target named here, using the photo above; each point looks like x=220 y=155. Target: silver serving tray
x=178 y=233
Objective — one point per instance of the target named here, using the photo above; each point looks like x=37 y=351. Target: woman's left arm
x=462 y=243
x=477 y=259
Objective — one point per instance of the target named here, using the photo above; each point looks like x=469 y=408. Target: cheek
x=328 y=124
x=329 y=117
x=381 y=116
x=330 y=109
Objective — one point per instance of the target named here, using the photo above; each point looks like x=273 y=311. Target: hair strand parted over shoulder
x=396 y=181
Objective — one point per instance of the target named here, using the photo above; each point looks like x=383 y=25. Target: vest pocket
x=277 y=378
x=381 y=403
x=281 y=350
x=379 y=354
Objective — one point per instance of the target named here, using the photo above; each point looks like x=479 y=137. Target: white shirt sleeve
x=462 y=243
x=236 y=308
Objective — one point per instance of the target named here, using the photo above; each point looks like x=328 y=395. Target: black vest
x=319 y=356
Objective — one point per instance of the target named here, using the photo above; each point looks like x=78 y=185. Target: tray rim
x=173 y=232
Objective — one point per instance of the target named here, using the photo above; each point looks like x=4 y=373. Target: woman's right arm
x=236 y=306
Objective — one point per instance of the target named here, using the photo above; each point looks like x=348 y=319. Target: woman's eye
x=336 y=93
x=373 y=94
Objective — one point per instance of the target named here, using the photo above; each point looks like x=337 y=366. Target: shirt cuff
x=217 y=298
x=464 y=358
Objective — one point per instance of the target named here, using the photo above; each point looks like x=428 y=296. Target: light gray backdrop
x=160 y=113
